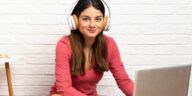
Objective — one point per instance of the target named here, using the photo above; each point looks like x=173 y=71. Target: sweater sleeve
x=62 y=72
x=118 y=70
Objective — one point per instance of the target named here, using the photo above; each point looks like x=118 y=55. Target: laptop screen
x=164 y=81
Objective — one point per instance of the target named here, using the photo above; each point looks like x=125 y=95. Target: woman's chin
x=92 y=35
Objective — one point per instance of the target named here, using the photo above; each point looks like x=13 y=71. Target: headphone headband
x=73 y=24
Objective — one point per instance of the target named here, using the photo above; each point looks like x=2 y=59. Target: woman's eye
x=98 y=19
x=85 y=19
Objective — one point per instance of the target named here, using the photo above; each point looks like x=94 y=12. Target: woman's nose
x=92 y=23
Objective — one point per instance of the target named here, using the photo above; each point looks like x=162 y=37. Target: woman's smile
x=92 y=30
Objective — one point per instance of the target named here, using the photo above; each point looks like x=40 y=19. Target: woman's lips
x=91 y=30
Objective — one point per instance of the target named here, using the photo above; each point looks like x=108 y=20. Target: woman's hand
x=55 y=95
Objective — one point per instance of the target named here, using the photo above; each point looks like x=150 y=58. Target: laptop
x=164 y=81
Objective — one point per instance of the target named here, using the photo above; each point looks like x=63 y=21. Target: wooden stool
x=8 y=74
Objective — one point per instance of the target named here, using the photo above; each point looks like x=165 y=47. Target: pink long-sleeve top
x=67 y=84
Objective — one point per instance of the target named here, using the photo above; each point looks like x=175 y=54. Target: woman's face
x=90 y=22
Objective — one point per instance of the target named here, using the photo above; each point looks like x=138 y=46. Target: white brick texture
x=149 y=33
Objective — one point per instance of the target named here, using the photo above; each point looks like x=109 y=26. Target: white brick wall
x=149 y=33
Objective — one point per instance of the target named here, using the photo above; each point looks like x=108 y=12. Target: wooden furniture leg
x=9 y=82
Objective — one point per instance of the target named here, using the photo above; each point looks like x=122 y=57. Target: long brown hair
x=99 y=48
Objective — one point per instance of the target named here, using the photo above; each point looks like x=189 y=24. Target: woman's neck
x=89 y=43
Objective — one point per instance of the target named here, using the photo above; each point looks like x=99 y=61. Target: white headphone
x=73 y=19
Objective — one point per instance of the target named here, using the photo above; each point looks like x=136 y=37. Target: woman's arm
x=55 y=95
x=118 y=70
x=63 y=74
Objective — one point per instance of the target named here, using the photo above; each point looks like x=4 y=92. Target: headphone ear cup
x=106 y=23
x=75 y=22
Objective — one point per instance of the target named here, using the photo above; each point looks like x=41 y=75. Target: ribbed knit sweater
x=67 y=84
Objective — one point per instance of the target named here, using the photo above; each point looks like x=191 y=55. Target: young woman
x=84 y=55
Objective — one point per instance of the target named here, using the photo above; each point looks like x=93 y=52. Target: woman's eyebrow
x=89 y=16
x=99 y=16
x=84 y=16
